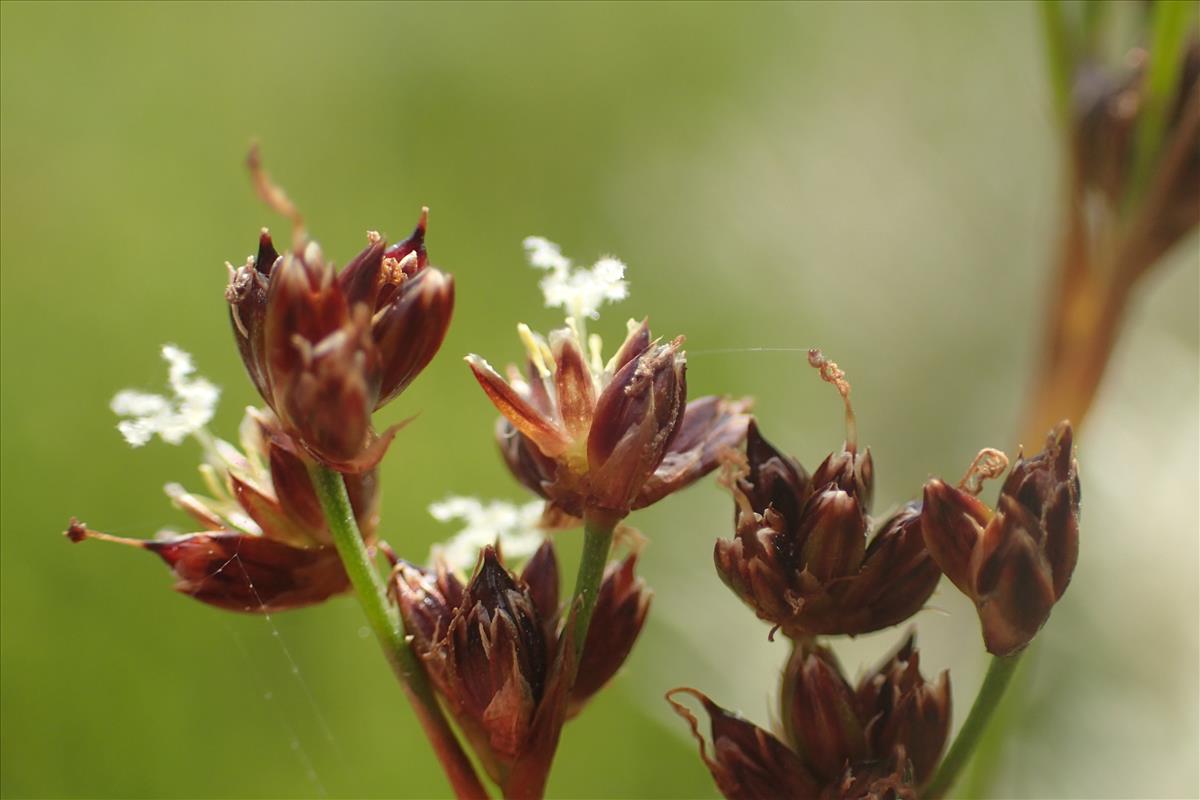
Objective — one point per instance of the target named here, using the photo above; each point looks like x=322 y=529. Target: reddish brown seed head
x=327 y=349
x=488 y=655
x=1014 y=562
x=899 y=708
x=800 y=556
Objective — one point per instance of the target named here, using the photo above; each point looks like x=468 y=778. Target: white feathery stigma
x=514 y=528
x=175 y=418
x=578 y=291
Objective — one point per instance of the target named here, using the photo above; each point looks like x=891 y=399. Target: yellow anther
x=536 y=349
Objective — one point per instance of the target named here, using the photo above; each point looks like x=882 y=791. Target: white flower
x=580 y=291
x=175 y=418
x=514 y=528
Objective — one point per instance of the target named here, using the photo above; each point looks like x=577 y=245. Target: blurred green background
x=880 y=180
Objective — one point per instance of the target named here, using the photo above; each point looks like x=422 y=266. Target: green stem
x=999 y=673
x=597 y=541
x=385 y=622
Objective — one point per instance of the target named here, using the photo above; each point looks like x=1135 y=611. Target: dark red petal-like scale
x=361 y=279
x=250 y=573
x=709 y=427
x=410 y=328
x=746 y=762
x=550 y=439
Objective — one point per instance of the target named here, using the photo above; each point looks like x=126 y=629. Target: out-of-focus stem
x=999 y=673
x=1082 y=327
x=1097 y=274
x=386 y=624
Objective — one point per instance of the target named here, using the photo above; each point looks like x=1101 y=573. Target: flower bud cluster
x=881 y=738
x=497 y=650
x=1016 y=560
x=327 y=349
x=800 y=555
x=803 y=560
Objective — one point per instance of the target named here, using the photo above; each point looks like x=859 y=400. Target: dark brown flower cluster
x=325 y=349
x=800 y=555
x=596 y=440
x=498 y=652
x=803 y=558
x=1015 y=561
x=881 y=739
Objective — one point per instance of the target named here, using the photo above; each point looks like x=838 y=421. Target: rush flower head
x=604 y=437
x=1014 y=561
x=262 y=543
x=839 y=741
x=326 y=349
x=800 y=555
x=498 y=651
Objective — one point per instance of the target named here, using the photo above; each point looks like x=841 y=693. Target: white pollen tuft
x=172 y=419
x=579 y=291
x=514 y=527
x=545 y=254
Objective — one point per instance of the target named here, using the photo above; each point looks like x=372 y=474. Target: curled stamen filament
x=734 y=466
x=990 y=463
x=832 y=373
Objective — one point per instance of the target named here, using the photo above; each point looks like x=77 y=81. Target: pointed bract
x=819 y=712
x=746 y=762
x=900 y=709
x=711 y=426
x=635 y=419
